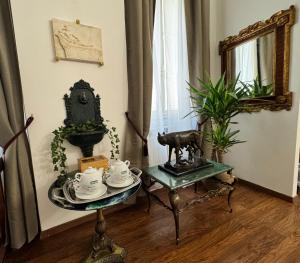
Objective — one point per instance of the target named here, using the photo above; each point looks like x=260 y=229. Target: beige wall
x=269 y=157
x=46 y=81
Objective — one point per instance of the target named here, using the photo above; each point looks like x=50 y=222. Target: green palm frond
x=257 y=89
x=219 y=102
x=222 y=138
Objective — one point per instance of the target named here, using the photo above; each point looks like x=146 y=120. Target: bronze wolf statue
x=190 y=140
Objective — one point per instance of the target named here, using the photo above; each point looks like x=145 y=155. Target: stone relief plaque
x=73 y=41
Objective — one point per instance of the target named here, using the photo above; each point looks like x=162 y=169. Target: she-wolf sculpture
x=190 y=140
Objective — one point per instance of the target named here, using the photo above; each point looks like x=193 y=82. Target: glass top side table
x=104 y=250
x=172 y=183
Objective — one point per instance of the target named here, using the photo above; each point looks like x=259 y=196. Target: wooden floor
x=261 y=228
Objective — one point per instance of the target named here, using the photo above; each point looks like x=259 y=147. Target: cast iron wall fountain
x=82 y=106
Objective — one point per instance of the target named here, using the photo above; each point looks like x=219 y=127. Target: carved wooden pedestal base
x=104 y=249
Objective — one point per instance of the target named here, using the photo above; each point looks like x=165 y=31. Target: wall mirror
x=260 y=56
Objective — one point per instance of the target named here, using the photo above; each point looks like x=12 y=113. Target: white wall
x=270 y=156
x=46 y=81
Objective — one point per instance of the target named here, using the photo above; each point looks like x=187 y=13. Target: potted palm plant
x=219 y=103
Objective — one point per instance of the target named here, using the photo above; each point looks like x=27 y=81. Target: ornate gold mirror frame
x=280 y=23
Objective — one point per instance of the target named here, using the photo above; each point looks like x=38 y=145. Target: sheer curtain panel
x=170 y=96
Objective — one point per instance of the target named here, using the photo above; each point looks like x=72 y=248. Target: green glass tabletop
x=173 y=182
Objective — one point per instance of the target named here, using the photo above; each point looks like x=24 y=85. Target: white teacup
x=119 y=171
x=89 y=181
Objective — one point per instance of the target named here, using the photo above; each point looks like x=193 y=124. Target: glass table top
x=173 y=182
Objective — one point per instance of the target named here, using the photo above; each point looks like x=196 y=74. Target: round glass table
x=103 y=248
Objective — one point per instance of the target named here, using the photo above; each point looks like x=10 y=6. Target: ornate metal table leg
x=228 y=201
x=174 y=201
x=104 y=249
x=196 y=187
x=145 y=188
x=230 y=193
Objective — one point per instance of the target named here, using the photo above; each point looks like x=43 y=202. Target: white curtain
x=266 y=52
x=170 y=98
x=246 y=61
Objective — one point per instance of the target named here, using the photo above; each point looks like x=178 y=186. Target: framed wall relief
x=73 y=41
x=260 y=56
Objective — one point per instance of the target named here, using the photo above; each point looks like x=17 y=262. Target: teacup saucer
x=86 y=195
x=112 y=183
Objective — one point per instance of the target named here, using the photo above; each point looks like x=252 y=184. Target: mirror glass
x=253 y=61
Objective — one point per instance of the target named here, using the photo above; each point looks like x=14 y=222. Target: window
x=170 y=98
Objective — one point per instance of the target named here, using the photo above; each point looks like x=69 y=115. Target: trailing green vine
x=58 y=154
x=115 y=142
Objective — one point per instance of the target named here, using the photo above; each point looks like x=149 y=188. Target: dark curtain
x=23 y=223
x=139 y=21
x=197 y=30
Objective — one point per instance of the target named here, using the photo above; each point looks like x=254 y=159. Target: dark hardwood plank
x=251 y=248
x=268 y=191
x=284 y=251
x=232 y=240
x=235 y=222
x=2 y=253
x=262 y=228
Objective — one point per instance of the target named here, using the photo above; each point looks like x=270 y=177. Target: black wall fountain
x=83 y=107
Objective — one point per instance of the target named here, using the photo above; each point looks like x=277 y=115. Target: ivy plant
x=61 y=133
x=115 y=143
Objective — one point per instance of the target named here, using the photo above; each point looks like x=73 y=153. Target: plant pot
x=86 y=141
x=224 y=177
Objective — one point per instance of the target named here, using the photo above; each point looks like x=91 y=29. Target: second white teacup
x=89 y=181
x=119 y=171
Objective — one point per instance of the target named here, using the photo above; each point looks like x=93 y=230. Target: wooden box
x=95 y=162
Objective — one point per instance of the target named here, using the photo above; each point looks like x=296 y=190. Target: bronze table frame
x=175 y=199
x=104 y=250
